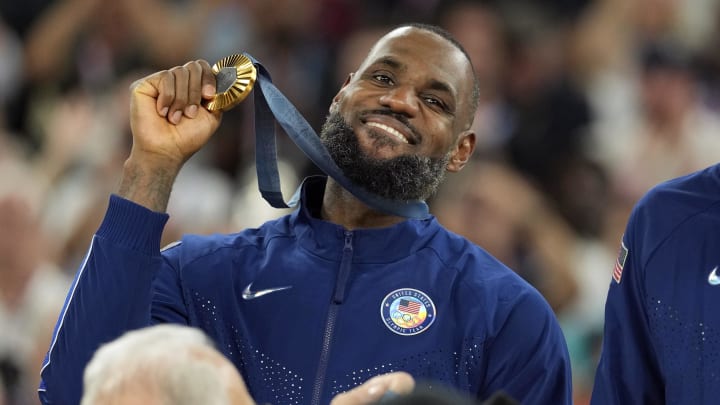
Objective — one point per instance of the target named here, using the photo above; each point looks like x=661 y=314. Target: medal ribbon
x=271 y=106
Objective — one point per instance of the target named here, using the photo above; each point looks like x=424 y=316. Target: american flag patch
x=620 y=263
x=410 y=307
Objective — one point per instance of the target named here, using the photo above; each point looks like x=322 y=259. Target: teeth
x=390 y=130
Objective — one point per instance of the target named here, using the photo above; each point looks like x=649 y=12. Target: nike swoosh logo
x=713 y=278
x=248 y=294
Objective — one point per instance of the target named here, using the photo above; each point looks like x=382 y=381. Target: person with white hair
x=163 y=364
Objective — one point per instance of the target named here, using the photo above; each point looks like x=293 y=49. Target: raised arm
x=168 y=125
x=113 y=290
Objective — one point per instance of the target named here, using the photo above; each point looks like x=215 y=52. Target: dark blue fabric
x=492 y=331
x=662 y=329
x=271 y=105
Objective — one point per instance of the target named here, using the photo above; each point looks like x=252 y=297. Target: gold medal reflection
x=235 y=76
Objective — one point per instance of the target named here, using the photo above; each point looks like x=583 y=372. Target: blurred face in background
x=667 y=94
x=654 y=18
x=480 y=31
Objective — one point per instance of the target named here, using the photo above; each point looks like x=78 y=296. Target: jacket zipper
x=338 y=298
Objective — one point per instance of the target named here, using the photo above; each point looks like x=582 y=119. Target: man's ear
x=463 y=150
x=340 y=92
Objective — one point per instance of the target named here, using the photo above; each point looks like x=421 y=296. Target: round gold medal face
x=235 y=76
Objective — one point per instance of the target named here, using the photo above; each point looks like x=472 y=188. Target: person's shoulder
x=494 y=291
x=701 y=187
x=460 y=253
x=684 y=208
x=675 y=201
x=477 y=269
x=195 y=245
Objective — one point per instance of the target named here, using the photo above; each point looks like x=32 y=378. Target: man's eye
x=435 y=102
x=383 y=79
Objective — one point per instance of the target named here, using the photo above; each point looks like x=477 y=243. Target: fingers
x=181 y=78
x=373 y=389
x=400 y=382
x=195 y=77
x=180 y=90
x=208 y=80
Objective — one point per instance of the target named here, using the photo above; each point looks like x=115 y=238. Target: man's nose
x=401 y=100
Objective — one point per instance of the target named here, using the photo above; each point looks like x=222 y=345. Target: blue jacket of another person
x=661 y=343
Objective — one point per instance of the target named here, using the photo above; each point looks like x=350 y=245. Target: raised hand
x=169 y=125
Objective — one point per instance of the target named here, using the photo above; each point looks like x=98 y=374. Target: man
x=315 y=303
x=174 y=364
x=661 y=322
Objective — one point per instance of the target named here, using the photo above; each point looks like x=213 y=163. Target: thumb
x=372 y=390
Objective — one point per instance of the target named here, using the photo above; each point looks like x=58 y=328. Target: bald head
x=460 y=57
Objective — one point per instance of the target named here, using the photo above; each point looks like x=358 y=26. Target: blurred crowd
x=584 y=106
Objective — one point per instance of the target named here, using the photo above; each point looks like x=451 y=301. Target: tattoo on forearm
x=148 y=188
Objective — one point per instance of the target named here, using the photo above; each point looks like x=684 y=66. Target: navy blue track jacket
x=662 y=328
x=306 y=309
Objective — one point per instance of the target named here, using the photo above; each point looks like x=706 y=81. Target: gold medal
x=235 y=76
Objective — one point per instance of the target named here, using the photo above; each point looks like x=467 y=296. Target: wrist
x=148 y=184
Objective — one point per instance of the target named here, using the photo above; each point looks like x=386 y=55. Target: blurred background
x=585 y=105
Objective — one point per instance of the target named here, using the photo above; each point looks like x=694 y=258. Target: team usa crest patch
x=407 y=311
x=620 y=263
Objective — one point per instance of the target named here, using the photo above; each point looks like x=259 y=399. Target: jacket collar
x=376 y=245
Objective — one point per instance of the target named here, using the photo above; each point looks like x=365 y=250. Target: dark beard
x=402 y=178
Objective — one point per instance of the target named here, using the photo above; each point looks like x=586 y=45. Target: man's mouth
x=389 y=130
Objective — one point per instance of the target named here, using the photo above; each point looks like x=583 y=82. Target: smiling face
x=403 y=118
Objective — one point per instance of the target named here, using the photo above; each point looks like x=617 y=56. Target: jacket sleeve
x=112 y=292
x=528 y=359
x=628 y=372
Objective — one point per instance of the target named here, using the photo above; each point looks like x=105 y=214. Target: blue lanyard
x=270 y=106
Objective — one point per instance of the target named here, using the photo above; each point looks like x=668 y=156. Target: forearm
x=147 y=185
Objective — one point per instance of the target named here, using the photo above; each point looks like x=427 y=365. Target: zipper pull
x=345 y=267
x=348 y=241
